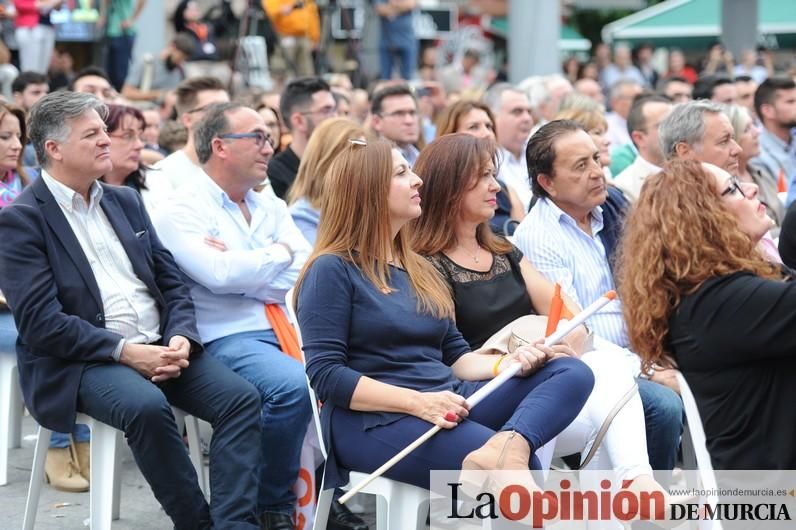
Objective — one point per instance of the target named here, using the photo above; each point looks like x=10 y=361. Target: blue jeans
x=8 y=341
x=663 y=415
x=120 y=51
x=8 y=333
x=119 y=396
x=286 y=410
x=408 y=58
x=60 y=440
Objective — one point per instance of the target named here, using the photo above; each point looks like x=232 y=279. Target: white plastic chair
x=700 y=451
x=10 y=411
x=105 y=477
x=398 y=505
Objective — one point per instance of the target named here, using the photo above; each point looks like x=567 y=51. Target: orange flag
x=284 y=331
x=556 y=304
x=557 y=311
x=782 y=185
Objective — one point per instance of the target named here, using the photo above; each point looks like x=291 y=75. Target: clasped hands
x=158 y=363
x=534 y=356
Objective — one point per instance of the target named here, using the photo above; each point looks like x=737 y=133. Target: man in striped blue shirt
x=570 y=236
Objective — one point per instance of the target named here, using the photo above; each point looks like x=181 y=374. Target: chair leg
x=403 y=511
x=104 y=486
x=16 y=409
x=6 y=413
x=382 y=513
x=36 y=478
x=117 y=476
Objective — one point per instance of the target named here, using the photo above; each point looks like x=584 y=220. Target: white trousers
x=35 y=48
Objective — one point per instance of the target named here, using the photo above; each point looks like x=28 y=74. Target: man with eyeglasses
x=182 y=167
x=241 y=250
x=394 y=116
x=677 y=89
x=305 y=103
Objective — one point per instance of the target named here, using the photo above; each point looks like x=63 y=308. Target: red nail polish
x=451 y=416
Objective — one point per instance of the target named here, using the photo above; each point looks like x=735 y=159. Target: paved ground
x=59 y=510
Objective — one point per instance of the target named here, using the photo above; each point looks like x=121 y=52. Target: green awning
x=569 y=41
x=697 y=23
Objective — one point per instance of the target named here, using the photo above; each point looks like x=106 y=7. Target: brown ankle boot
x=61 y=471
x=83 y=452
x=486 y=468
x=505 y=450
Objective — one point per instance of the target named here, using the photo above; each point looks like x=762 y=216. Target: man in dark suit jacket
x=106 y=324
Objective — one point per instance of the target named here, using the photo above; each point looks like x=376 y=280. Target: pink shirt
x=27 y=14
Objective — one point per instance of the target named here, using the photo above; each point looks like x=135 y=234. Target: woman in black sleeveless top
x=492 y=285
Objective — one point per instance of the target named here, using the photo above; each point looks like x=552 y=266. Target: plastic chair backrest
x=291 y=314
x=699 y=441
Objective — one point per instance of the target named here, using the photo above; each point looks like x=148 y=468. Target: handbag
x=528 y=329
x=520 y=332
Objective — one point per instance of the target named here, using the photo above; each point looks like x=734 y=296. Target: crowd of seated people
x=147 y=255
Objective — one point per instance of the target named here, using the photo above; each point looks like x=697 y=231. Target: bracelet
x=497 y=365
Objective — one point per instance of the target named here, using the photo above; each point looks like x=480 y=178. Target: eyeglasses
x=323 y=111
x=128 y=137
x=259 y=138
x=735 y=186
x=201 y=109
x=411 y=113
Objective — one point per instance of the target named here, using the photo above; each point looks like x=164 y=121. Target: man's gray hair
x=618 y=88
x=495 y=94
x=685 y=124
x=213 y=124
x=51 y=117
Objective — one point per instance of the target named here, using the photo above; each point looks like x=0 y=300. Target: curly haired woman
x=698 y=292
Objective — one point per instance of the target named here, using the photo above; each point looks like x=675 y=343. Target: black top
x=486 y=301
x=787 y=238
x=734 y=339
x=282 y=171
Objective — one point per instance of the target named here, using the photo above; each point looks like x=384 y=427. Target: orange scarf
x=284 y=331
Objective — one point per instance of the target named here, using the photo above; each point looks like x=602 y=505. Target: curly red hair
x=677 y=236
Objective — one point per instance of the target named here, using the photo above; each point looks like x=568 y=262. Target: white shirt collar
x=557 y=214
x=220 y=196
x=68 y=198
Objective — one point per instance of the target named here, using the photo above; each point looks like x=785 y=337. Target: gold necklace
x=474 y=256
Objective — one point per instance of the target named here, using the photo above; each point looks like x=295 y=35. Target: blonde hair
x=362 y=175
x=326 y=142
x=588 y=118
x=678 y=235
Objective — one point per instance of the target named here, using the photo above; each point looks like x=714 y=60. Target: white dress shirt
x=229 y=288
x=554 y=244
x=513 y=172
x=127 y=304
x=633 y=176
x=166 y=176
